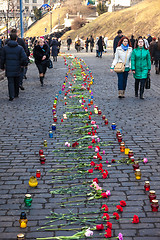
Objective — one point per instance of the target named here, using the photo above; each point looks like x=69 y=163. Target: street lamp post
x=21 y=18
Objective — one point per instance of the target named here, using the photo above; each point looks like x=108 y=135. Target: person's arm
x=115 y=60
x=133 y=61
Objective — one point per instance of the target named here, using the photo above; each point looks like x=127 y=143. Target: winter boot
x=120 y=92
x=41 y=80
x=123 y=93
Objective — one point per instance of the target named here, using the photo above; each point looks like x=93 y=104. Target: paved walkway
x=25 y=123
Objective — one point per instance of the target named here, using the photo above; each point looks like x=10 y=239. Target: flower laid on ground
x=100 y=227
x=116 y=215
x=145 y=160
x=105 y=216
x=119 y=208
x=88 y=233
x=113 y=161
x=123 y=203
x=104 y=207
x=75 y=144
x=135 y=219
x=108 y=233
x=108 y=193
x=95 y=180
x=90 y=170
x=67 y=144
x=120 y=236
x=95 y=186
x=104 y=195
x=92 y=163
x=109 y=225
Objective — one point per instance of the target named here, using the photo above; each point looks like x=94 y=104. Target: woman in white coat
x=123 y=52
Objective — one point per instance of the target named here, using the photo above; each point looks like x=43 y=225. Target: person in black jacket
x=100 y=44
x=41 y=53
x=54 y=46
x=13 y=58
x=156 y=56
x=69 y=42
x=117 y=39
x=20 y=42
x=132 y=40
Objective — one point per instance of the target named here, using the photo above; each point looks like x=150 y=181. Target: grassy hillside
x=141 y=19
x=38 y=29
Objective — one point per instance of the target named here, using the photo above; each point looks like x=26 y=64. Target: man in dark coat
x=13 y=58
x=20 y=42
x=91 y=40
x=117 y=39
x=69 y=42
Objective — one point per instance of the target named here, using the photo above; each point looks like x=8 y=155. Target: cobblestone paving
x=25 y=123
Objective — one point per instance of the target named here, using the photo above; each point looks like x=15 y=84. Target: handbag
x=148 y=82
x=120 y=66
x=49 y=64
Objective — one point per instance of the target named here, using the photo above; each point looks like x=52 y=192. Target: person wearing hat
x=117 y=39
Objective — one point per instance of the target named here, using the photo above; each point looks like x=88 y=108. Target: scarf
x=125 y=48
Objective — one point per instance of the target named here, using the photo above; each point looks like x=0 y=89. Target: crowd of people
x=132 y=54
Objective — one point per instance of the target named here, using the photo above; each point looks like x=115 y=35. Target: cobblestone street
x=25 y=123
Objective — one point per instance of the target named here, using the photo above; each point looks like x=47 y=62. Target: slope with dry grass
x=140 y=19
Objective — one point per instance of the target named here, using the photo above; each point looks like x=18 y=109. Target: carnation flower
x=145 y=160
x=119 y=208
x=90 y=170
x=103 y=152
x=120 y=236
x=88 y=233
x=105 y=216
x=135 y=219
x=108 y=233
x=104 y=207
x=116 y=215
x=104 y=195
x=123 y=203
x=109 y=225
x=95 y=180
x=100 y=227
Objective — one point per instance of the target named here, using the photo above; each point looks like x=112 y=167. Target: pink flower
x=103 y=152
x=88 y=233
x=96 y=149
x=120 y=236
x=93 y=122
x=66 y=143
x=108 y=193
x=145 y=160
x=97 y=126
x=98 y=139
x=107 y=161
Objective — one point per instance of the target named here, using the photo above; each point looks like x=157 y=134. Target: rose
x=105 y=216
x=104 y=195
x=100 y=227
x=109 y=225
x=108 y=233
x=104 y=207
x=88 y=233
x=92 y=163
x=95 y=180
x=116 y=215
x=105 y=175
x=90 y=170
x=120 y=236
x=119 y=208
x=123 y=203
x=135 y=219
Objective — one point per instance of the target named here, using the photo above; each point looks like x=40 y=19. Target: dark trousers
x=42 y=68
x=13 y=86
x=21 y=76
x=99 y=54
x=142 y=84
x=122 y=80
x=157 y=64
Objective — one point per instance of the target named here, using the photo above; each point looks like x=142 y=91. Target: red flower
x=105 y=175
x=93 y=141
x=116 y=215
x=100 y=227
x=90 y=146
x=90 y=113
x=123 y=203
x=105 y=216
x=98 y=147
x=89 y=117
x=75 y=144
x=109 y=225
x=95 y=180
x=99 y=166
x=92 y=163
x=135 y=219
x=108 y=233
x=90 y=170
x=104 y=207
x=89 y=133
x=104 y=195
x=119 y=208
x=99 y=156
x=113 y=160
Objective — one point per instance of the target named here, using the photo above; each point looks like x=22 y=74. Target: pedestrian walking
x=41 y=53
x=140 y=65
x=87 y=44
x=100 y=44
x=105 y=43
x=117 y=39
x=151 y=48
x=122 y=55
x=54 y=46
x=156 y=56
x=69 y=42
x=91 y=41
x=12 y=60
x=149 y=39
x=28 y=54
x=96 y=43
x=132 y=40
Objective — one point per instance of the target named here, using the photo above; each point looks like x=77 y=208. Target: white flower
x=88 y=233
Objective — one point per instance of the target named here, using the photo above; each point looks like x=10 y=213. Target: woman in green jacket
x=140 y=65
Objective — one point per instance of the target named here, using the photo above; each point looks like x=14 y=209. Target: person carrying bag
x=122 y=64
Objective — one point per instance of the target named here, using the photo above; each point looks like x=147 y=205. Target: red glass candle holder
x=40 y=152
x=135 y=166
x=106 y=121
x=154 y=205
x=119 y=138
x=122 y=147
x=130 y=154
x=38 y=174
x=152 y=195
x=103 y=117
x=99 y=112
x=147 y=186
x=55 y=118
x=118 y=133
x=132 y=158
x=42 y=159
